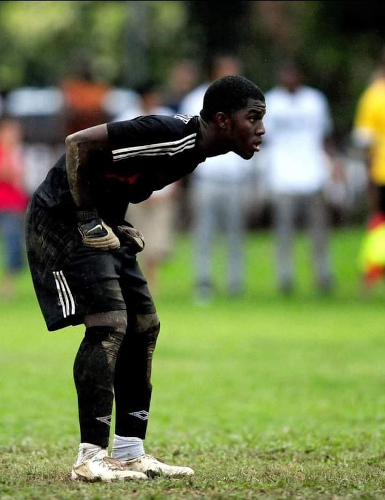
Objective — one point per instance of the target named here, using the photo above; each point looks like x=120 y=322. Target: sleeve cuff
x=86 y=215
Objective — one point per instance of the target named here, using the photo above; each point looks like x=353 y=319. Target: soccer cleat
x=101 y=467
x=154 y=468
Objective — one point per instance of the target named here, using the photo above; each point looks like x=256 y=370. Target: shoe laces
x=143 y=458
x=110 y=463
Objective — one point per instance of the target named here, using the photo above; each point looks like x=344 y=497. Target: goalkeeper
x=82 y=256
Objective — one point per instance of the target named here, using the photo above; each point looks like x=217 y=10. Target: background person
x=156 y=216
x=369 y=137
x=218 y=189
x=13 y=203
x=181 y=81
x=84 y=97
x=298 y=126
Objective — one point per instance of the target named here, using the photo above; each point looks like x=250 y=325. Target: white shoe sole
x=136 y=476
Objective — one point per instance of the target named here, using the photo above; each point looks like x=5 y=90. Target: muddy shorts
x=72 y=280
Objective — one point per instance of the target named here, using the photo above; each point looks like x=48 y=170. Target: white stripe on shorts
x=66 y=299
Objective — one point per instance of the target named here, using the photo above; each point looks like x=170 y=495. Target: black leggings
x=111 y=364
x=132 y=382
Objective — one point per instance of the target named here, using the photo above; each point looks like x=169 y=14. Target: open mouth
x=257 y=146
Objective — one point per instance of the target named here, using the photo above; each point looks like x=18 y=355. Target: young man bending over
x=82 y=256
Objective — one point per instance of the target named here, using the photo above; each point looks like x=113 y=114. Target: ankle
x=86 y=452
x=127 y=448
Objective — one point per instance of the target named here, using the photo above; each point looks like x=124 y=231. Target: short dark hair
x=229 y=94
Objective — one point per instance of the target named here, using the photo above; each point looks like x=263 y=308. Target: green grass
x=266 y=397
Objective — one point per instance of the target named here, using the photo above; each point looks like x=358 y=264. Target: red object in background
x=12 y=195
x=374 y=268
x=376 y=220
x=84 y=104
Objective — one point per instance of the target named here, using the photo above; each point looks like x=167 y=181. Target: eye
x=253 y=119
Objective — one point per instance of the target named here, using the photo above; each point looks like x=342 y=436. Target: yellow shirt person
x=369 y=128
x=369 y=134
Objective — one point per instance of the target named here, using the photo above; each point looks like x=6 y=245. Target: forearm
x=76 y=173
x=80 y=148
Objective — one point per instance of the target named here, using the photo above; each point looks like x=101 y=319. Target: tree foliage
x=129 y=41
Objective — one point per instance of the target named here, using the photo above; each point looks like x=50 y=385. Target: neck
x=292 y=90
x=209 y=142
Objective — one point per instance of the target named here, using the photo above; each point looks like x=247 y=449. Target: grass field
x=266 y=397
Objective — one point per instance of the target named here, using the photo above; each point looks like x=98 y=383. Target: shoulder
x=314 y=99
x=313 y=93
x=151 y=129
x=198 y=92
x=374 y=93
x=371 y=106
x=176 y=124
x=275 y=94
x=194 y=100
x=275 y=91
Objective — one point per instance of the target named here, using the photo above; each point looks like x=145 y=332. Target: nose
x=260 y=130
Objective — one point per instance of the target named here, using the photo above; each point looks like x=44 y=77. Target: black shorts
x=72 y=280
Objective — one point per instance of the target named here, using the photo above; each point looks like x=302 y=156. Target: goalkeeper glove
x=96 y=233
x=131 y=237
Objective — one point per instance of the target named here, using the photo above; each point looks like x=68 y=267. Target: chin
x=247 y=156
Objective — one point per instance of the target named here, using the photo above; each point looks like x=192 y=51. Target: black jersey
x=144 y=155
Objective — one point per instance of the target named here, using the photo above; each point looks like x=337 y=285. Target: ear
x=222 y=120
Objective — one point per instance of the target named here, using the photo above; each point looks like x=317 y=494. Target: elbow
x=71 y=140
x=70 y=143
x=88 y=139
x=76 y=144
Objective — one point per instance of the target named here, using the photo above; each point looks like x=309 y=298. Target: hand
x=96 y=234
x=131 y=237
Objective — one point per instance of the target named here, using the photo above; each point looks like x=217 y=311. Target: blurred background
x=69 y=65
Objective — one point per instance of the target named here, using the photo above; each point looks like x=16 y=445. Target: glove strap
x=86 y=215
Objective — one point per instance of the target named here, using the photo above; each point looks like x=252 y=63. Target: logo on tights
x=105 y=420
x=142 y=414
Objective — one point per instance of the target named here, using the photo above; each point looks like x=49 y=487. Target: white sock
x=127 y=448
x=86 y=451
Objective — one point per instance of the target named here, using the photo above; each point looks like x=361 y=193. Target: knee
x=148 y=325
x=115 y=320
x=146 y=322
x=107 y=329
